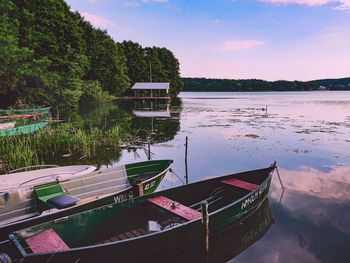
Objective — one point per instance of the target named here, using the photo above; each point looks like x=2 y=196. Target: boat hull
x=26 y=129
x=25 y=111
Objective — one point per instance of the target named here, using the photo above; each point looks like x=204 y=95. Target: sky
x=235 y=39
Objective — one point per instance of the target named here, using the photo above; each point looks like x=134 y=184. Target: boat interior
x=31 y=201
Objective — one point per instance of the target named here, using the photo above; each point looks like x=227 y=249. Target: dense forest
x=203 y=84
x=52 y=56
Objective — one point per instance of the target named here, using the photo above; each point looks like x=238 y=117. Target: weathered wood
x=46 y=241
x=240 y=184
x=176 y=208
x=186 y=168
x=122 y=236
x=129 y=234
x=136 y=233
x=205 y=221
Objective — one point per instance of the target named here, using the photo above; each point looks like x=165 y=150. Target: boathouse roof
x=151 y=85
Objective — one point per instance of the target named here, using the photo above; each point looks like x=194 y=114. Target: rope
x=279 y=177
x=171 y=170
x=277 y=211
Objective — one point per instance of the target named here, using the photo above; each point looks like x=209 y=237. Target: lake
x=306 y=133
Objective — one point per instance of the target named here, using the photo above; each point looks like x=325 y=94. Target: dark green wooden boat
x=28 y=205
x=24 y=111
x=142 y=228
x=25 y=129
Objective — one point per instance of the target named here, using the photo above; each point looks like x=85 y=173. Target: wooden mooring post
x=149 y=149
x=205 y=222
x=186 y=168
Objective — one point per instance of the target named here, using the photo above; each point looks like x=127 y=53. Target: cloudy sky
x=239 y=39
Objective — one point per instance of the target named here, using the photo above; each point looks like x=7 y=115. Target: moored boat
x=23 y=206
x=24 y=111
x=143 y=227
x=25 y=129
x=7 y=125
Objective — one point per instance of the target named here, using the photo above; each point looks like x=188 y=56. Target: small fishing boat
x=7 y=125
x=23 y=206
x=139 y=229
x=24 y=111
x=24 y=129
x=22 y=116
x=40 y=174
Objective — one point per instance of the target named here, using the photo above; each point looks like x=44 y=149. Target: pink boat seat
x=46 y=241
x=176 y=208
x=240 y=184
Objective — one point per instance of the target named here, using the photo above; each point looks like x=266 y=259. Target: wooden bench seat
x=46 y=241
x=175 y=208
x=240 y=184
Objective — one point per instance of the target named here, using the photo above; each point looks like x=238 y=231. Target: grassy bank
x=60 y=141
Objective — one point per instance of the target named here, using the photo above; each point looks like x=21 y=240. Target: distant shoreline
x=256 y=85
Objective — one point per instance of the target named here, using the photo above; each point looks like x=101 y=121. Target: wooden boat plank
x=142 y=231
x=114 y=239
x=129 y=234
x=136 y=233
x=240 y=184
x=122 y=236
x=176 y=208
x=46 y=241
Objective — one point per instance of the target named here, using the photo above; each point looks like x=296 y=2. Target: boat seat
x=63 y=201
x=176 y=208
x=52 y=195
x=46 y=241
x=240 y=184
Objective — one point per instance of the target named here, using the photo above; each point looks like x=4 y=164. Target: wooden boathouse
x=151 y=90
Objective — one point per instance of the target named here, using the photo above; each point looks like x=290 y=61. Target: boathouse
x=151 y=90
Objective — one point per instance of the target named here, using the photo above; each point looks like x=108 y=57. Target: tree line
x=52 y=56
x=204 y=84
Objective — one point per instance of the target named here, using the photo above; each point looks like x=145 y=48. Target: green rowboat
x=27 y=205
x=143 y=228
x=25 y=129
x=24 y=111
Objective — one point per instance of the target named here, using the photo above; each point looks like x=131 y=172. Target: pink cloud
x=97 y=20
x=237 y=45
x=155 y=1
x=342 y=4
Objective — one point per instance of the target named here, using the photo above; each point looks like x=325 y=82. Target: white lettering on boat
x=120 y=198
x=253 y=197
x=150 y=185
x=123 y=196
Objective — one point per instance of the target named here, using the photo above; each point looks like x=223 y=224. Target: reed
x=59 y=140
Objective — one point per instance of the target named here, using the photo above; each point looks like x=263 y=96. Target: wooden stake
x=205 y=222
x=149 y=149
x=140 y=186
x=186 y=145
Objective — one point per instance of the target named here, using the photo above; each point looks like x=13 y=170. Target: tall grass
x=57 y=140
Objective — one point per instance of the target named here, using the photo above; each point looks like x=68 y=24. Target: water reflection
x=156 y=120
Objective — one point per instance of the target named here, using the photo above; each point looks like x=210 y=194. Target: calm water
x=307 y=133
